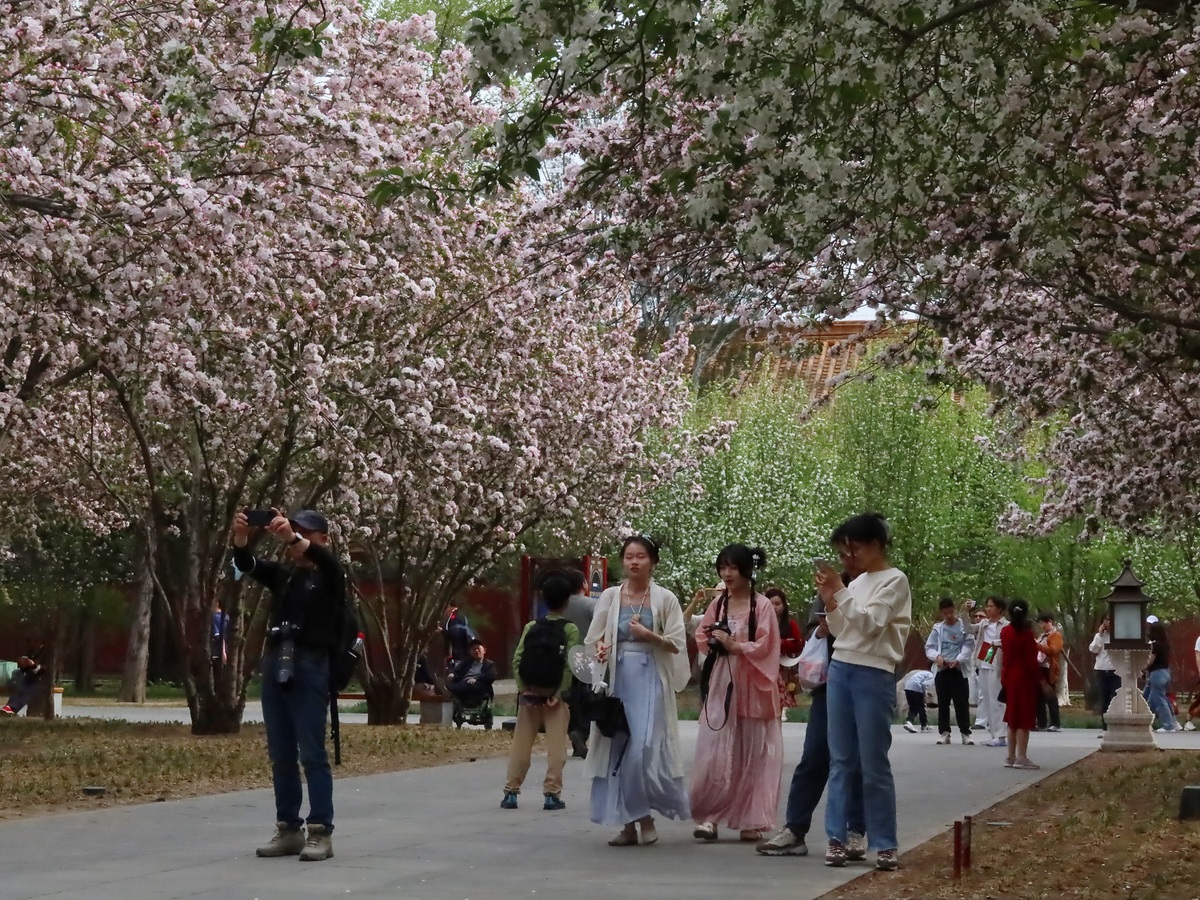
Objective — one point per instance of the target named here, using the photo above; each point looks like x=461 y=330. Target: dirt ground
x=1105 y=828
x=44 y=766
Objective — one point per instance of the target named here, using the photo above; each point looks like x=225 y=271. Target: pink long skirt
x=735 y=779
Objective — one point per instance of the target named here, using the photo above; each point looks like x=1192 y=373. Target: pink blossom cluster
x=201 y=305
x=1019 y=176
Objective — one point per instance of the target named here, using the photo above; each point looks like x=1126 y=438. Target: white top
x=918 y=680
x=1198 y=645
x=872 y=620
x=1099 y=646
x=989 y=631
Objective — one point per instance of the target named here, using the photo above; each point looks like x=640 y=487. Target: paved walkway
x=438 y=834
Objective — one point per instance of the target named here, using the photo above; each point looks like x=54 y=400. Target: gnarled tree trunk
x=137 y=652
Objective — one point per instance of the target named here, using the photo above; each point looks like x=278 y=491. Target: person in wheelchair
x=471 y=680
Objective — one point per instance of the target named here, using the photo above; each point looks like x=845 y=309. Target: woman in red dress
x=791 y=642
x=1019 y=676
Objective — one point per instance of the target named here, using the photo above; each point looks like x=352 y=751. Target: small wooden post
x=958 y=847
x=967 y=843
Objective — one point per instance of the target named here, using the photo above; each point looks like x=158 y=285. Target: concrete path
x=438 y=834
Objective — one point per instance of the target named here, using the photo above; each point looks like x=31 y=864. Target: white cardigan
x=673 y=668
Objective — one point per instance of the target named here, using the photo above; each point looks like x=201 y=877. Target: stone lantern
x=1127 y=612
x=1128 y=717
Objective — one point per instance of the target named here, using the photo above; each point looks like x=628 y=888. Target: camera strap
x=710 y=662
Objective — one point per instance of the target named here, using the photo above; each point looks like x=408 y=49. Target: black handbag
x=609 y=715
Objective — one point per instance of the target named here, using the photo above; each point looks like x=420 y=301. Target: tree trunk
x=85 y=656
x=159 y=665
x=42 y=701
x=387 y=700
x=137 y=653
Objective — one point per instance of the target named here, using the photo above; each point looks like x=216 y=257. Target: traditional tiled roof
x=816 y=354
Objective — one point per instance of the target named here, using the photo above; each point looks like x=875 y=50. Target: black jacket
x=483 y=680
x=309 y=599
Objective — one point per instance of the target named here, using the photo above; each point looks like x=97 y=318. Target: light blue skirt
x=641 y=783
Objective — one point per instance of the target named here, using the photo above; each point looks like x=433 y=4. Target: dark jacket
x=309 y=599
x=458 y=635
x=483 y=680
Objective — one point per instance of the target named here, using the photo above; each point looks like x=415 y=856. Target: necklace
x=637 y=613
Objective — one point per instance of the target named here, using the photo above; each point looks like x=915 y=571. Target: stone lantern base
x=1128 y=716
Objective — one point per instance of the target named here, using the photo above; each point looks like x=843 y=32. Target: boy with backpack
x=543 y=676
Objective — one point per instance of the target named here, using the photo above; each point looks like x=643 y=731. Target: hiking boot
x=319 y=844
x=286 y=841
x=553 y=801
x=945 y=738
x=968 y=740
x=856 y=846
x=886 y=860
x=785 y=843
x=835 y=854
x=910 y=727
x=509 y=801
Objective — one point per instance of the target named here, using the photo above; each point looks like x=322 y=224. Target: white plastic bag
x=813 y=666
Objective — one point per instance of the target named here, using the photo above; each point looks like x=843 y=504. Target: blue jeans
x=862 y=703
x=1158 y=682
x=295 y=718
x=808 y=781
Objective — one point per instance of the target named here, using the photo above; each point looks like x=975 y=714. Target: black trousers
x=1110 y=683
x=916 y=707
x=951 y=686
x=470 y=694
x=1047 y=710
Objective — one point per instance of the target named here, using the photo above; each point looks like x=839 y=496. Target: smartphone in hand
x=260 y=518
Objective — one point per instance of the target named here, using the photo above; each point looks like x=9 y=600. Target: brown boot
x=286 y=841
x=319 y=845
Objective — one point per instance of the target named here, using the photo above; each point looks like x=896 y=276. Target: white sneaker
x=786 y=843
x=1189 y=726
x=967 y=740
x=945 y=738
x=996 y=742
x=910 y=727
x=925 y=729
x=1168 y=730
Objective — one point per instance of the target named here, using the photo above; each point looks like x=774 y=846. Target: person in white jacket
x=949 y=648
x=987 y=667
x=870 y=620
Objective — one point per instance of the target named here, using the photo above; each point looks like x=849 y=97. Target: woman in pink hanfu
x=739 y=751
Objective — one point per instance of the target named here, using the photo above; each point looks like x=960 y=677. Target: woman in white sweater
x=870 y=619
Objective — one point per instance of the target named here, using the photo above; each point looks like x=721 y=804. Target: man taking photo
x=307 y=593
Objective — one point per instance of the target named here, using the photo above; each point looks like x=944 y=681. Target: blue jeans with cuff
x=295 y=715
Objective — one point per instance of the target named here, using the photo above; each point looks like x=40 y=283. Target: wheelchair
x=473 y=713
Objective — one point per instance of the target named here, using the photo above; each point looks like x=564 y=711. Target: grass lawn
x=44 y=765
x=1105 y=828
x=156 y=691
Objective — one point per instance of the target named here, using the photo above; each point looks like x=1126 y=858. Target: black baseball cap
x=309 y=520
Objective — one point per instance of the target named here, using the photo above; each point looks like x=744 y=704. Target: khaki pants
x=529 y=720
